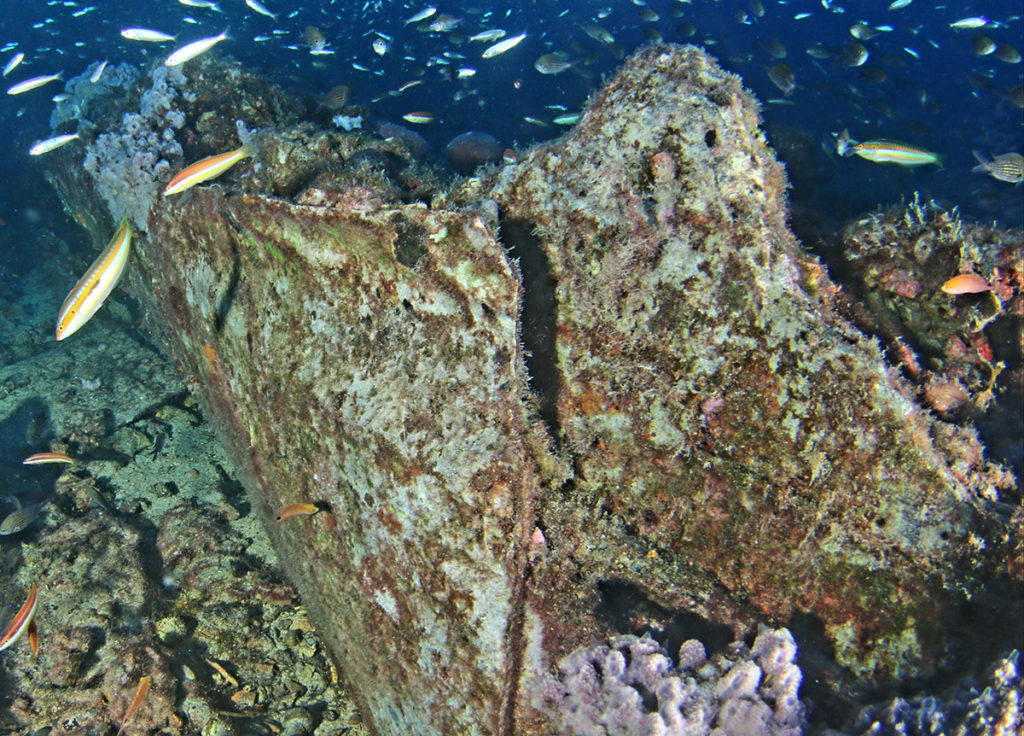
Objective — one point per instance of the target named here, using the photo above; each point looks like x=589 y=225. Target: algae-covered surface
x=600 y=390
x=147 y=558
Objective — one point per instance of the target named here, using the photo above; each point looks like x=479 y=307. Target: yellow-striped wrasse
x=43 y=458
x=885 y=151
x=95 y=286
x=420 y=118
x=295 y=509
x=20 y=623
x=133 y=705
x=209 y=168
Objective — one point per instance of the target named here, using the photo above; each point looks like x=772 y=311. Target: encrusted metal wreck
x=575 y=397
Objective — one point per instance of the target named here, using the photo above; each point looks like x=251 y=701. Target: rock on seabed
x=634 y=380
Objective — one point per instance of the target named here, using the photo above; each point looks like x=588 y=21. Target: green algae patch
x=899 y=655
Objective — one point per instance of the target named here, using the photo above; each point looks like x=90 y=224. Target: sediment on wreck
x=695 y=433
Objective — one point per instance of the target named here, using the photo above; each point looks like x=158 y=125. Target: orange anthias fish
x=966 y=283
x=295 y=509
x=21 y=621
x=208 y=168
x=133 y=705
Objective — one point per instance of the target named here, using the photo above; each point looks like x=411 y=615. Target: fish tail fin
x=983 y=163
x=845 y=144
x=225 y=32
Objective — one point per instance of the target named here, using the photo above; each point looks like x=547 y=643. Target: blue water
x=944 y=99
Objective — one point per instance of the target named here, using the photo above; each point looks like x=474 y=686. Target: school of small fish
x=453 y=52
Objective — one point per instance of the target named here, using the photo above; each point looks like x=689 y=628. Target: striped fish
x=884 y=151
x=208 y=168
x=20 y=622
x=43 y=458
x=20 y=518
x=1008 y=167
x=95 y=286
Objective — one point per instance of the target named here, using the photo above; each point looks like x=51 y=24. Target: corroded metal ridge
x=368 y=360
x=740 y=452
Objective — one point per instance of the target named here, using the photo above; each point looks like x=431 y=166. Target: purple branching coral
x=130 y=164
x=632 y=688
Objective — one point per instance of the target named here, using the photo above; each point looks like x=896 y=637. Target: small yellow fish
x=88 y=295
x=502 y=46
x=420 y=118
x=133 y=705
x=51 y=144
x=966 y=283
x=194 y=49
x=206 y=169
x=295 y=509
x=34 y=83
